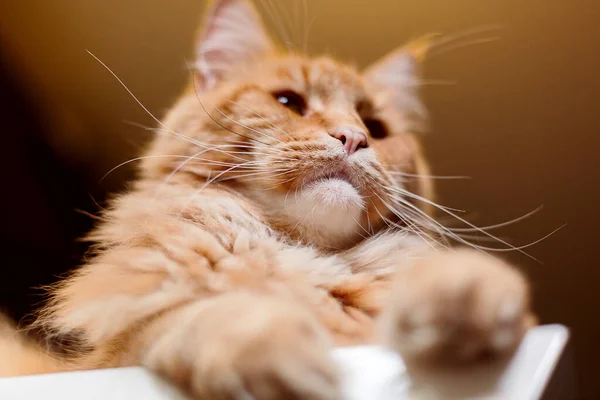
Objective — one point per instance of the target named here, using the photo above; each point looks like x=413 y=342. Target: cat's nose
x=353 y=138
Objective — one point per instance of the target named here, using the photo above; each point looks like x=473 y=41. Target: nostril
x=352 y=138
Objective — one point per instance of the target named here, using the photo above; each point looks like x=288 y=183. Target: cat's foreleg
x=209 y=319
x=456 y=307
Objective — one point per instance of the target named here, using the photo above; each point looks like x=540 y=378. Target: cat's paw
x=244 y=347
x=455 y=307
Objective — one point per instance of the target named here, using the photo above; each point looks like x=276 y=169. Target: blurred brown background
x=523 y=121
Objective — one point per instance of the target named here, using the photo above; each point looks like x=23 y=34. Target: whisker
x=436 y=82
x=206 y=162
x=409 y=224
x=500 y=225
x=137 y=159
x=308 y=215
x=260 y=116
x=307 y=26
x=225 y=144
x=361 y=227
x=206 y=184
x=286 y=197
x=440 y=177
x=214 y=119
x=452 y=38
x=473 y=42
x=520 y=249
x=166 y=128
x=279 y=24
x=477 y=238
x=245 y=126
x=281 y=183
x=369 y=226
x=261 y=173
x=142 y=105
x=404 y=192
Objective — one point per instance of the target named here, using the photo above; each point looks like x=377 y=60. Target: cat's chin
x=333 y=194
x=328 y=207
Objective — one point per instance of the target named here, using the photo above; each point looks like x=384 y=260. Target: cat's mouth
x=332 y=189
x=341 y=175
x=328 y=202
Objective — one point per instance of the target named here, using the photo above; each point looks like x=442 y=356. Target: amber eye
x=291 y=100
x=377 y=128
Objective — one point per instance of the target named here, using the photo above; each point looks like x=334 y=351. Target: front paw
x=244 y=346
x=456 y=307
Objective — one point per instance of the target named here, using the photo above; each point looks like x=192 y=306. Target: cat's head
x=327 y=152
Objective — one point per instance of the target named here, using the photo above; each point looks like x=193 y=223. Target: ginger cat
x=281 y=210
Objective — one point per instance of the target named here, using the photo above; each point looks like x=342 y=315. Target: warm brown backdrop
x=523 y=119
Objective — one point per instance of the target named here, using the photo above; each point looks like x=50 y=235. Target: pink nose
x=352 y=138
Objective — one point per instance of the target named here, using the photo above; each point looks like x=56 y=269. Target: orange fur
x=21 y=356
x=238 y=258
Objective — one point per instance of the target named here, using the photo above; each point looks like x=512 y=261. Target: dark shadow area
x=38 y=205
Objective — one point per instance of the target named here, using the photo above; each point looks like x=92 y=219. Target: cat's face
x=324 y=150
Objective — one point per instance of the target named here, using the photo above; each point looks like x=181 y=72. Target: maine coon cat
x=281 y=210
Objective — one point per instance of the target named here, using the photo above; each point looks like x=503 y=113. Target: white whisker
x=247 y=127
x=500 y=225
x=441 y=177
x=456 y=237
x=261 y=117
x=142 y=105
x=453 y=38
x=138 y=159
x=473 y=42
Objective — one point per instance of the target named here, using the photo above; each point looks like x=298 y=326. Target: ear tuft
x=401 y=66
x=419 y=47
x=232 y=34
x=399 y=73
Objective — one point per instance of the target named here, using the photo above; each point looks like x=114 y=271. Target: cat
x=281 y=210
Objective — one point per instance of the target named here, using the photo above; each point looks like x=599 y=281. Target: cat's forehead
x=321 y=77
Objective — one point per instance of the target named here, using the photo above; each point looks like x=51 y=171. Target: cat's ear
x=400 y=71
x=232 y=33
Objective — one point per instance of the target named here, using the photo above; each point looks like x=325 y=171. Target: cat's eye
x=291 y=100
x=377 y=128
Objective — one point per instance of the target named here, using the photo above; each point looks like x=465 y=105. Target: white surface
x=372 y=373
x=369 y=373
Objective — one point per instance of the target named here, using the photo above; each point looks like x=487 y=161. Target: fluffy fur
x=253 y=240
